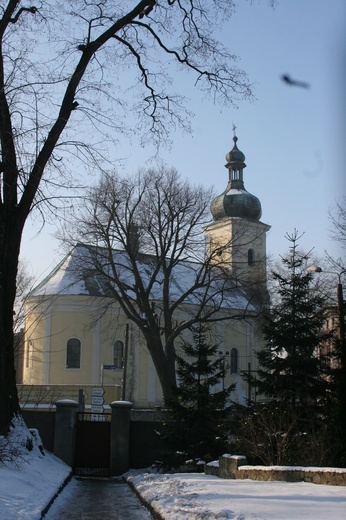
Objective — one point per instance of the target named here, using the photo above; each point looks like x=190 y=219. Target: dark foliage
x=296 y=377
x=337 y=408
x=198 y=429
x=274 y=434
x=290 y=371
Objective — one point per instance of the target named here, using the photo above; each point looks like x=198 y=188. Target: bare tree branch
x=63 y=67
x=145 y=245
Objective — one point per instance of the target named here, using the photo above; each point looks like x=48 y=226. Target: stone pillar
x=120 y=437
x=229 y=464
x=65 y=430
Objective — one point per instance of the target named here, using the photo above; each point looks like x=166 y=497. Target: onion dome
x=235 y=201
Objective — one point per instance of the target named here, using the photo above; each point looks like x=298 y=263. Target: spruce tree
x=292 y=424
x=290 y=371
x=197 y=429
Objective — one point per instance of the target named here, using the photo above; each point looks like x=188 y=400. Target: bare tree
x=62 y=66
x=25 y=282
x=145 y=249
x=338 y=222
x=337 y=218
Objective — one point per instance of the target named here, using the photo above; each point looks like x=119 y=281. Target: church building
x=70 y=343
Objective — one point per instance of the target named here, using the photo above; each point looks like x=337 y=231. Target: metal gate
x=92 y=448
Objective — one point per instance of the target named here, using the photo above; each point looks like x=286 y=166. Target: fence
x=33 y=396
x=134 y=433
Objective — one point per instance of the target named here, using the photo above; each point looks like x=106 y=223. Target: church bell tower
x=237 y=237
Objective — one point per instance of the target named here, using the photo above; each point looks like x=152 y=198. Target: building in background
x=75 y=334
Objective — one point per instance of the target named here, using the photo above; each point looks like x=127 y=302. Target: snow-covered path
x=25 y=492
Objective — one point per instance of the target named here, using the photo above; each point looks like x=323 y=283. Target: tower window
x=234 y=361
x=118 y=352
x=236 y=174
x=73 y=352
x=251 y=257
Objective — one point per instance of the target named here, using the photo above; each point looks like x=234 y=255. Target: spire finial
x=235 y=138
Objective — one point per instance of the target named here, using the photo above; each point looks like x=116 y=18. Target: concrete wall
x=236 y=467
x=145 y=444
x=44 y=422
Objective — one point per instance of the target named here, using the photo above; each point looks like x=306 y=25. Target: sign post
x=97 y=399
x=106 y=367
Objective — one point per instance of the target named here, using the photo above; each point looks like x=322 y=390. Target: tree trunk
x=10 y=244
x=164 y=369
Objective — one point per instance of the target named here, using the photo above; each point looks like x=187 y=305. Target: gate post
x=65 y=430
x=120 y=437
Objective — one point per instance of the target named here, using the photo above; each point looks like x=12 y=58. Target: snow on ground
x=29 y=476
x=197 y=496
x=26 y=490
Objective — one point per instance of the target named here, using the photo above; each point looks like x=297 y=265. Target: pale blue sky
x=293 y=138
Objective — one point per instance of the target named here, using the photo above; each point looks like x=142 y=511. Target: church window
x=251 y=257
x=73 y=353
x=234 y=361
x=118 y=352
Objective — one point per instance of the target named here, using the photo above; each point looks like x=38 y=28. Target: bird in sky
x=293 y=82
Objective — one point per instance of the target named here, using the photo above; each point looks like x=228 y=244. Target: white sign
x=98 y=391
x=97 y=400
x=96 y=409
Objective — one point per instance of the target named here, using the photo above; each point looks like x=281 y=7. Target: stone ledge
x=236 y=467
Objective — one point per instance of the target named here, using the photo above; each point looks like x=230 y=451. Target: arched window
x=73 y=352
x=118 y=352
x=251 y=257
x=234 y=361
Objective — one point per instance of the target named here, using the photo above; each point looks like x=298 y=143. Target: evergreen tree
x=293 y=425
x=198 y=428
x=290 y=371
x=337 y=411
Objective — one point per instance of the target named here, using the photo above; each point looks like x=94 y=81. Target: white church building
x=70 y=343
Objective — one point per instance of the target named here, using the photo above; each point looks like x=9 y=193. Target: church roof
x=77 y=275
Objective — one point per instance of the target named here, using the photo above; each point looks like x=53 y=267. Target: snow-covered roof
x=79 y=273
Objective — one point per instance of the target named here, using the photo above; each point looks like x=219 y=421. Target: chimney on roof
x=133 y=237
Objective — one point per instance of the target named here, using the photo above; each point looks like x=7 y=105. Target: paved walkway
x=97 y=499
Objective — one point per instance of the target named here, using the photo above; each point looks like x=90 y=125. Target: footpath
x=97 y=499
